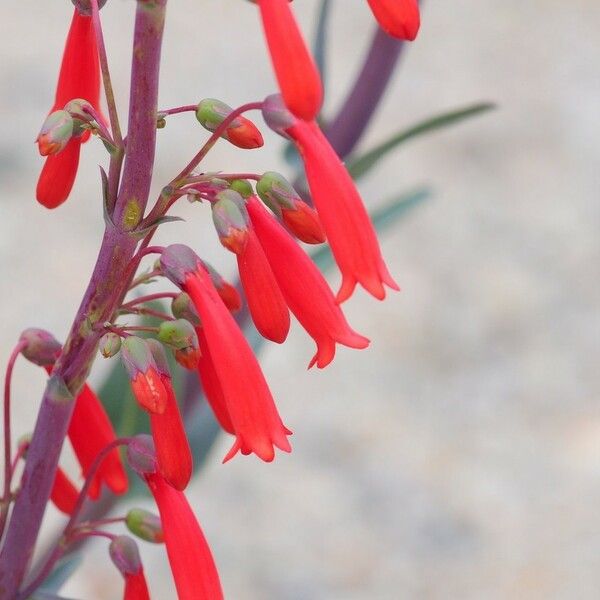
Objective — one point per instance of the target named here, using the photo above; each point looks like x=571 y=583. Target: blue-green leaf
x=320 y=42
x=360 y=165
x=61 y=573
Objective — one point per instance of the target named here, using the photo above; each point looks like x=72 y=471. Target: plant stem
x=178 y=109
x=348 y=126
x=5 y=500
x=101 y=300
x=108 y=88
x=149 y=298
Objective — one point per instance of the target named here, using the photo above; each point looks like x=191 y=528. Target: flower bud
x=301 y=219
x=145 y=525
x=55 y=133
x=183 y=308
x=231 y=220
x=188 y=357
x=143 y=373
x=125 y=555
x=110 y=344
x=242 y=187
x=42 y=347
x=179 y=334
x=77 y=109
x=141 y=454
x=241 y=132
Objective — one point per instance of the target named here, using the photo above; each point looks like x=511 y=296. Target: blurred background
x=458 y=457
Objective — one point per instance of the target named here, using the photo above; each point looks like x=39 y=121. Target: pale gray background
x=459 y=457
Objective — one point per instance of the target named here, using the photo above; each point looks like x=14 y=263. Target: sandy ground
x=459 y=457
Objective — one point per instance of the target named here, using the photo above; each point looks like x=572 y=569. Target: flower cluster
x=265 y=223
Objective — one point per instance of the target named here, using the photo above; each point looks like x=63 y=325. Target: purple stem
x=101 y=299
x=347 y=128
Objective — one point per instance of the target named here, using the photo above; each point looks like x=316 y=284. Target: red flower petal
x=294 y=67
x=398 y=18
x=191 y=561
x=349 y=229
x=172 y=447
x=257 y=424
x=265 y=301
x=304 y=288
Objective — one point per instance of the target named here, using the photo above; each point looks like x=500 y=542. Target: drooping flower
x=265 y=301
x=296 y=72
x=304 y=288
x=192 y=564
x=399 y=18
x=173 y=452
x=190 y=558
x=63 y=494
x=126 y=557
x=349 y=230
x=79 y=78
x=256 y=422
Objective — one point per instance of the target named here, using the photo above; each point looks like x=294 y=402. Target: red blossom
x=265 y=300
x=136 y=587
x=348 y=227
x=296 y=72
x=304 y=288
x=191 y=561
x=79 y=78
x=172 y=447
x=256 y=422
x=399 y=18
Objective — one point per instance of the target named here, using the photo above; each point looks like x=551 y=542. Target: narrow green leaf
x=362 y=164
x=383 y=218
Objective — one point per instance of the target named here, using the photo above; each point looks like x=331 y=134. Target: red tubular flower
x=136 y=587
x=267 y=306
x=349 y=230
x=126 y=557
x=294 y=67
x=265 y=300
x=79 y=78
x=211 y=385
x=304 y=288
x=256 y=422
x=398 y=18
x=90 y=430
x=172 y=447
x=191 y=561
x=64 y=494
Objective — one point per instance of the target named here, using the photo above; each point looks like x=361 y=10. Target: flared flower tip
x=261 y=445
x=372 y=284
x=399 y=18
